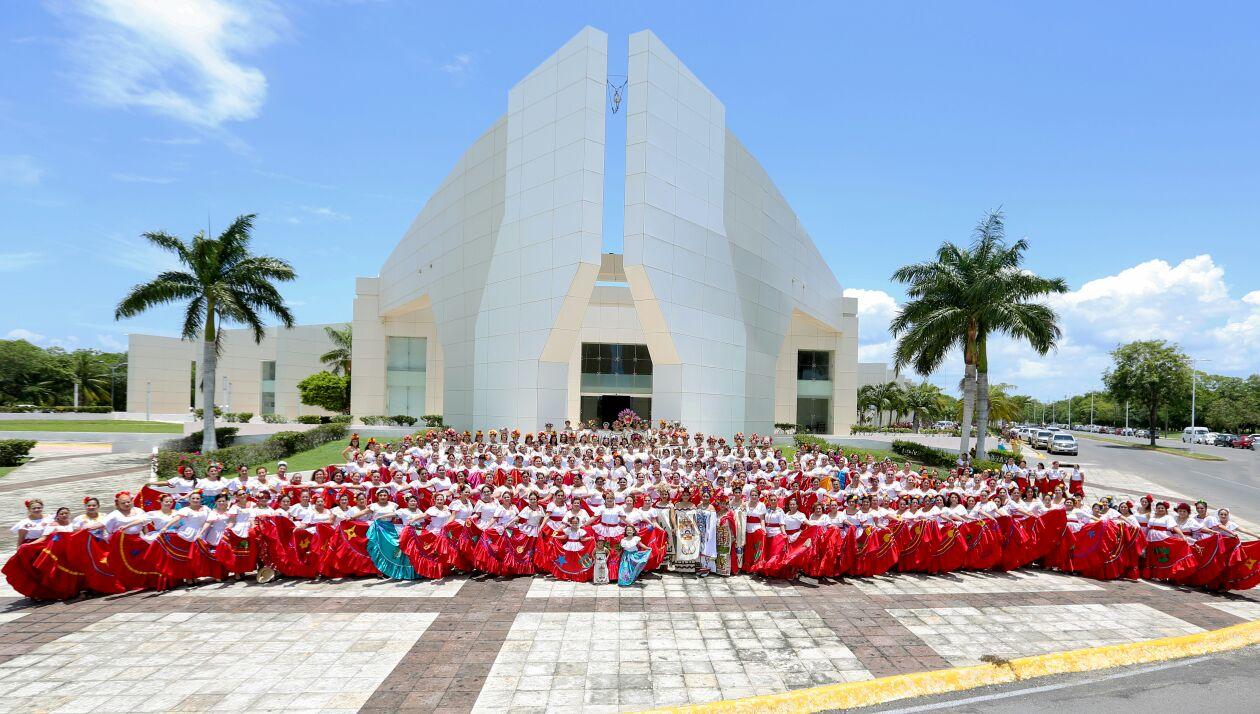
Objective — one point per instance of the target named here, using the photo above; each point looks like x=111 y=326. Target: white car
x=1062 y=444
x=1208 y=438
x=1194 y=434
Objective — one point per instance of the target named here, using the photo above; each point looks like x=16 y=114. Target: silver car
x=1041 y=439
x=1062 y=444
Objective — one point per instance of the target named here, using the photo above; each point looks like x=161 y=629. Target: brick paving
x=535 y=644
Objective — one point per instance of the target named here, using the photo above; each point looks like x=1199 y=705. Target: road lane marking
x=1219 y=478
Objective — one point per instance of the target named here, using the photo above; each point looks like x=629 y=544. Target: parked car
x=1062 y=444
x=1243 y=441
x=1222 y=440
x=1194 y=434
x=1041 y=439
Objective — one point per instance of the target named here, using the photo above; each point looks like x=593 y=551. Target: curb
x=944 y=681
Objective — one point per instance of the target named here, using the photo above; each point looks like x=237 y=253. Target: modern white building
x=498 y=306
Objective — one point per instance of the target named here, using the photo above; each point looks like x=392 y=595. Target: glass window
x=600 y=358
x=813 y=415
x=406 y=362
x=813 y=365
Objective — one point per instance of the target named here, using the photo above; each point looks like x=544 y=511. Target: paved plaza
x=535 y=644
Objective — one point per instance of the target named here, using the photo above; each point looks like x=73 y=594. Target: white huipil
x=191 y=521
x=132 y=523
x=35 y=528
x=438 y=518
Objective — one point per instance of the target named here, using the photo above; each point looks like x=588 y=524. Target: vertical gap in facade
x=615 y=150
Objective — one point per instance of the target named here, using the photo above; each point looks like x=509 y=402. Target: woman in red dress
x=1169 y=554
x=574 y=549
x=128 y=549
x=173 y=547
x=27 y=571
x=424 y=541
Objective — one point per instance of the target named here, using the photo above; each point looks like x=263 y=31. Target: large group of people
x=586 y=505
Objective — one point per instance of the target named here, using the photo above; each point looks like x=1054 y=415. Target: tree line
x=46 y=376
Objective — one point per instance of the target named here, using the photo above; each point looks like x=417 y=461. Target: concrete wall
x=715 y=258
x=161 y=365
x=296 y=354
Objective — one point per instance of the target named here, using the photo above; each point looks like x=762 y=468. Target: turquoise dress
x=632 y=563
x=382 y=547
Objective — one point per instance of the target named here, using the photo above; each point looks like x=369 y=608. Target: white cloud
x=36 y=338
x=16 y=262
x=175 y=141
x=177 y=58
x=20 y=170
x=325 y=213
x=459 y=66
x=1252 y=298
x=111 y=343
x=138 y=178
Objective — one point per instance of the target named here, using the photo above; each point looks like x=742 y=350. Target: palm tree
x=963 y=296
x=84 y=368
x=866 y=401
x=926 y=401
x=338 y=358
x=224 y=283
x=886 y=397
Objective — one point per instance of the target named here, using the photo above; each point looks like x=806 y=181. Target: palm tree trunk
x=982 y=410
x=209 y=363
x=969 y=404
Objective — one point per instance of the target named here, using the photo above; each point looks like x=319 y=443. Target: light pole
x=111 y=384
x=1091 y=409
x=148 y=401
x=1069 y=413
x=1126 y=415
x=1194 y=380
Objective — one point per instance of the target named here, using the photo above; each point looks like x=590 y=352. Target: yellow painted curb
x=905 y=686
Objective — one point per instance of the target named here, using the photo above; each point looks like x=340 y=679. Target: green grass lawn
x=4 y=470
x=320 y=456
x=120 y=425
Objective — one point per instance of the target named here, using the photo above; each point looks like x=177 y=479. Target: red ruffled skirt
x=428 y=552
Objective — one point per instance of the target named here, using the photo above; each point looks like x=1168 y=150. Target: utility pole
x=76 y=394
x=1194 y=380
x=1091 y=408
x=1126 y=414
x=1069 y=413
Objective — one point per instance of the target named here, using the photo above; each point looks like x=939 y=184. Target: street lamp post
x=1194 y=380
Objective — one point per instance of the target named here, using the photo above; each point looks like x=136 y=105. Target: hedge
x=281 y=445
x=223 y=435
x=238 y=417
x=55 y=410
x=12 y=451
x=274 y=418
x=924 y=454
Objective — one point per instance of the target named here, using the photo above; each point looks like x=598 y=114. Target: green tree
x=866 y=401
x=1148 y=373
x=338 y=358
x=86 y=369
x=224 y=283
x=326 y=390
x=963 y=296
x=926 y=402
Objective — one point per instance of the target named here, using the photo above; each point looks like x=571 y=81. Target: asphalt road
x=1234 y=483
x=1220 y=684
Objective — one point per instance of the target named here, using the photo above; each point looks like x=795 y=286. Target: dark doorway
x=605 y=407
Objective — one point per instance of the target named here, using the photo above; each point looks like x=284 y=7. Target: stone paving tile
x=962 y=635
x=353 y=588
x=1017 y=581
x=1244 y=609
x=626 y=661
x=212 y=661
x=57 y=468
x=664 y=586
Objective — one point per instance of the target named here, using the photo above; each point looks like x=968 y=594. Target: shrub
x=403 y=420
x=433 y=420
x=199 y=413
x=1001 y=456
x=374 y=420
x=224 y=436
x=274 y=418
x=12 y=451
x=923 y=454
x=326 y=390
x=817 y=443
x=81 y=410
x=279 y=446
x=787 y=427
x=238 y=417
x=308 y=419
x=341 y=419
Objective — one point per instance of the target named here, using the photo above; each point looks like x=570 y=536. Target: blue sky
x=1123 y=139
